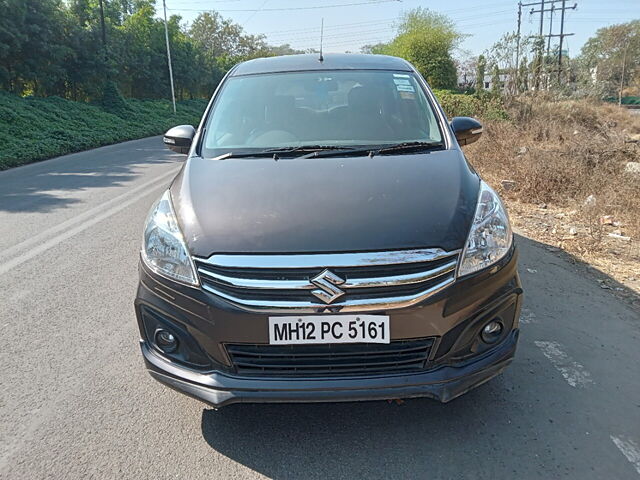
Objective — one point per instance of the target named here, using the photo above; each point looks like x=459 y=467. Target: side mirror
x=466 y=129
x=179 y=138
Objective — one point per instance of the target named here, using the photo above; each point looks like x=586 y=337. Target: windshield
x=330 y=108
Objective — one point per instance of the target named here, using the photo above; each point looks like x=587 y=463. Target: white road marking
x=629 y=449
x=39 y=243
x=573 y=372
x=527 y=316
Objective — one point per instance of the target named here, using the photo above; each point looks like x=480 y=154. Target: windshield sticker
x=401 y=81
x=401 y=75
x=405 y=88
x=408 y=95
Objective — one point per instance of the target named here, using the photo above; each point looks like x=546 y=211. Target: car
x=326 y=240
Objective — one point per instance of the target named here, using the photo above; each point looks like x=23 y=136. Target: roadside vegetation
x=58 y=47
x=36 y=128
x=68 y=85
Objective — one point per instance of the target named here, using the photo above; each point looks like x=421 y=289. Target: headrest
x=362 y=99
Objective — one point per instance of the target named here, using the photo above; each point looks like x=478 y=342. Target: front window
x=330 y=108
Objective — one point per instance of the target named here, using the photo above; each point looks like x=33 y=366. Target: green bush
x=35 y=128
x=484 y=106
x=113 y=101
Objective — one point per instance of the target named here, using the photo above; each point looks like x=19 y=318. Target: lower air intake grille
x=342 y=359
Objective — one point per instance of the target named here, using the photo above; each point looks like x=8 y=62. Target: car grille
x=333 y=359
x=317 y=283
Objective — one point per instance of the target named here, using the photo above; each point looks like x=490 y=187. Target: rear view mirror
x=466 y=129
x=179 y=138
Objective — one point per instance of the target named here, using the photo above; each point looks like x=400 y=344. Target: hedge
x=484 y=106
x=34 y=128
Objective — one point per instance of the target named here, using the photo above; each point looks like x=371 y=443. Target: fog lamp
x=491 y=332
x=166 y=340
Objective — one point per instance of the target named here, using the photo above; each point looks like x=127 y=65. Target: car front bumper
x=443 y=383
x=458 y=362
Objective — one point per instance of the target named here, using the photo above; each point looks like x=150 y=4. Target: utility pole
x=517 y=72
x=562 y=35
x=540 y=43
x=166 y=36
x=104 y=31
x=551 y=34
x=546 y=62
x=553 y=7
x=540 y=47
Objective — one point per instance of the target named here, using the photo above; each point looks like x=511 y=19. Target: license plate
x=329 y=329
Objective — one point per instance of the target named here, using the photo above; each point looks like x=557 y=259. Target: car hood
x=388 y=202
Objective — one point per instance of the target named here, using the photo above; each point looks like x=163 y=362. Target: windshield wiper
x=322 y=151
x=278 y=151
x=307 y=148
x=259 y=153
x=405 y=147
x=373 y=150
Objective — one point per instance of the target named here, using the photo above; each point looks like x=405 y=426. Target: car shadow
x=379 y=439
x=517 y=425
x=48 y=186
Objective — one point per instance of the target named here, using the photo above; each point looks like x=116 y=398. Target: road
x=76 y=402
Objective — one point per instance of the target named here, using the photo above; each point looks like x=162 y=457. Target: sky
x=350 y=24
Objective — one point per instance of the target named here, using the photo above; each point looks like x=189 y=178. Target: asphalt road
x=76 y=402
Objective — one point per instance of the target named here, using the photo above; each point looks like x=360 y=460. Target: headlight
x=490 y=236
x=163 y=246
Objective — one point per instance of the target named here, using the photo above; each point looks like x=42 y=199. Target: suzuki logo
x=327 y=282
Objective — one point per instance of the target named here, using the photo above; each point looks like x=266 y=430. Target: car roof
x=331 y=61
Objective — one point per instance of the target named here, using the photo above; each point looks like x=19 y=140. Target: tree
x=481 y=66
x=284 y=49
x=466 y=68
x=523 y=76
x=218 y=36
x=427 y=40
x=611 y=59
x=504 y=54
x=54 y=47
x=33 y=46
x=496 y=86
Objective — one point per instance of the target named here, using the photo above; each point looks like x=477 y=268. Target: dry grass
x=562 y=152
x=559 y=154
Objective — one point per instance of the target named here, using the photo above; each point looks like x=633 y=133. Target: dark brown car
x=326 y=240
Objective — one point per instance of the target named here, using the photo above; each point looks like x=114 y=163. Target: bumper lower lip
x=443 y=383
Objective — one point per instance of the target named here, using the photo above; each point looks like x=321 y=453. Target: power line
x=338 y=26
x=387 y=26
x=283 y=9
x=357 y=32
x=253 y=14
x=377 y=38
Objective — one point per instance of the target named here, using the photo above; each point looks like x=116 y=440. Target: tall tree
x=427 y=40
x=611 y=59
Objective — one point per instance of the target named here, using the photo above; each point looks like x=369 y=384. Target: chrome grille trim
x=354 y=283
x=361 y=305
x=398 y=279
x=327 y=260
